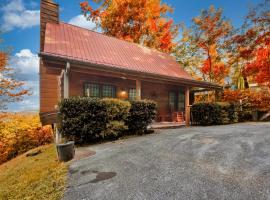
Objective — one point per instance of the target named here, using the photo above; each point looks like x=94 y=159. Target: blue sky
x=20 y=22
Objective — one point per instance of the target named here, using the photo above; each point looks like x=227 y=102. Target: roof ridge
x=152 y=49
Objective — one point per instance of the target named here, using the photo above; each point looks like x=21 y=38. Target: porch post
x=187 y=107
x=138 y=89
x=66 y=81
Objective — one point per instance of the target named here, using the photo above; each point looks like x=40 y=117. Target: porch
x=172 y=97
x=171 y=94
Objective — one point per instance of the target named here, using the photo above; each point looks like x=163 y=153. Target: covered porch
x=172 y=96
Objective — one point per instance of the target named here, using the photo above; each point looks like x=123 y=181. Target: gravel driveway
x=218 y=162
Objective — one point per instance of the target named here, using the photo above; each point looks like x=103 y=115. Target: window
x=181 y=101
x=91 y=90
x=132 y=94
x=172 y=102
x=108 y=91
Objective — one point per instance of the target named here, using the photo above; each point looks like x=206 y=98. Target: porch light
x=123 y=92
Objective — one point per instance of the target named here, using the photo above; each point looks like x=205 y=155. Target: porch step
x=167 y=125
x=178 y=117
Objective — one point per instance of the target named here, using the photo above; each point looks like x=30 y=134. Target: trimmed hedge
x=141 y=114
x=206 y=114
x=86 y=120
x=82 y=119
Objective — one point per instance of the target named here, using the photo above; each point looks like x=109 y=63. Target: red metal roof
x=72 y=42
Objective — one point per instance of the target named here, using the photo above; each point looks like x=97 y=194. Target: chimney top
x=49 y=12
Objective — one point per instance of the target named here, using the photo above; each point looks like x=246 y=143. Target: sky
x=19 y=22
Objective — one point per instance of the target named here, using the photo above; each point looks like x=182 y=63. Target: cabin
x=78 y=62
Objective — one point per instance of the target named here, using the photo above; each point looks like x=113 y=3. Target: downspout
x=66 y=80
x=65 y=72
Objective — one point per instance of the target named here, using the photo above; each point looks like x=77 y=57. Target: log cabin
x=79 y=62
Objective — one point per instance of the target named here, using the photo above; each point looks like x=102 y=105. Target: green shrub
x=206 y=114
x=82 y=119
x=214 y=113
x=85 y=119
x=141 y=114
x=233 y=109
x=117 y=112
x=114 y=129
x=244 y=115
x=116 y=109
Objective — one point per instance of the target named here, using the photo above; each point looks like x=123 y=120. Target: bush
x=141 y=114
x=206 y=114
x=117 y=112
x=214 y=113
x=116 y=109
x=20 y=133
x=82 y=119
x=85 y=119
x=244 y=115
x=115 y=129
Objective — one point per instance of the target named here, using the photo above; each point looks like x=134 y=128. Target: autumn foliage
x=253 y=45
x=255 y=100
x=20 y=133
x=203 y=48
x=11 y=90
x=141 y=21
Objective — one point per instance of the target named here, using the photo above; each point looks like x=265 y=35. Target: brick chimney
x=49 y=12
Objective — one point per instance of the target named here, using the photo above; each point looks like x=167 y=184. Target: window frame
x=100 y=89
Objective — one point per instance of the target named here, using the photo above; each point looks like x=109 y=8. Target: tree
x=187 y=53
x=250 y=48
x=241 y=47
x=259 y=66
x=141 y=21
x=207 y=42
x=11 y=90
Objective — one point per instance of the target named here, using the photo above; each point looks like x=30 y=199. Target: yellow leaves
x=21 y=132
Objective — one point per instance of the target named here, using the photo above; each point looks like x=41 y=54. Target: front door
x=173 y=101
x=177 y=101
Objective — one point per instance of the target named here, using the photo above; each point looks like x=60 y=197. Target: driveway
x=218 y=162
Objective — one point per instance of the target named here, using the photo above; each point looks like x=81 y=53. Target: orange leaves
x=209 y=34
x=259 y=68
x=140 y=21
x=253 y=46
x=3 y=60
x=258 y=100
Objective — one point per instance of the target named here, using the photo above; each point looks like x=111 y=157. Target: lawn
x=37 y=177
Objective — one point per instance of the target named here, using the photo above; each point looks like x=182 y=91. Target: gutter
x=193 y=83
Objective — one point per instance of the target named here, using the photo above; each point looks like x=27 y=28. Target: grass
x=38 y=177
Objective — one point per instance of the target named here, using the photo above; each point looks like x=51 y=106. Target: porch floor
x=164 y=125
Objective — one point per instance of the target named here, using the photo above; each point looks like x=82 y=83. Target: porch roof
x=65 y=41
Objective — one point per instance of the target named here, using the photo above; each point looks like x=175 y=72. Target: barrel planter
x=65 y=151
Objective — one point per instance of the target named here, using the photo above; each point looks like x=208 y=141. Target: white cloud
x=26 y=65
x=15 y=5
x=81 y=21
x=25 y=62
x=15 y=15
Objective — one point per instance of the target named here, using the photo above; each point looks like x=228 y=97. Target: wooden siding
x=51 y=87
x=49 y=90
